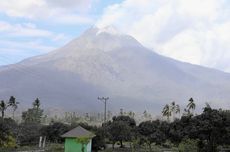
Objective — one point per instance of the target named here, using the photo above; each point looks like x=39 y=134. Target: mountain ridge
x=114 y=65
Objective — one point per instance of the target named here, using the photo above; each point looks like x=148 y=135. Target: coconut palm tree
x=191 y=105
x=13 y=104
x=177 y=109
x=166 y=112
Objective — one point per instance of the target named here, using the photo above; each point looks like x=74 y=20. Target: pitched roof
x=78 y=132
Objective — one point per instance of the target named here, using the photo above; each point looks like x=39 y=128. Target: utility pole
x=104 y=100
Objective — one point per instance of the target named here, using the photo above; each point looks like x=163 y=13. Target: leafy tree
x=54 y=131
x=210 y=126
x=152 y=132
x=129 y=121
x=98 y=141
x=33 y=115
x=13 y=104
x=119 y=131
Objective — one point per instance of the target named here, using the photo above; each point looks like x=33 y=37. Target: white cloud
x=21 y=8
x=80 y=5
x=72 y=19
x=19 y=41
x=24 y=30
x=193 y=31
x=60 y=11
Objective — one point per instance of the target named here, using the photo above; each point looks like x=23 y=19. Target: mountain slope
x=103 y=62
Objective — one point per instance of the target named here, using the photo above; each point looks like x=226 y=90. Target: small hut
x=78 y=140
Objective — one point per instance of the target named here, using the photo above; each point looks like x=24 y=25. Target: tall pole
x=104 y=100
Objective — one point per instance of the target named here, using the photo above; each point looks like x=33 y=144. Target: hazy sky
x=195 y=31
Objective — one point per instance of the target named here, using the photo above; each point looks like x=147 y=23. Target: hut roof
x=78 y=132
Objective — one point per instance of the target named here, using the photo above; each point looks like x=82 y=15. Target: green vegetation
x=206 y=132
x=188 y=145
x=34 y=114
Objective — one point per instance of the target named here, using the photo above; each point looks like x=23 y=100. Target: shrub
x=188 y=145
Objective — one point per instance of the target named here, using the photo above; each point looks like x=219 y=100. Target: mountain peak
x=109 y=29
x=97 y=31
x=106 y=39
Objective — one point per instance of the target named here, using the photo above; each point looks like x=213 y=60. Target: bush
x=7 y=139
x=29 y=134
x=188 y=145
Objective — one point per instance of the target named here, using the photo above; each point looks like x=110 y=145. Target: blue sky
x=193 y=31
x=25 y=34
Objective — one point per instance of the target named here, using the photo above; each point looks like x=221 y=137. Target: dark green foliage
x=188 y=145
x=29 y=133
x=153 y=132
x=128 y=120
x=225 y=138
x=54 y=131
x=210 y=126
x=4 y=132
x=8 y=132
x=119 y=131
x=12 y=126
x=179 y=129
x=98 y=142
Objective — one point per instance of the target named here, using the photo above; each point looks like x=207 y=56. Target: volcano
x=106 y=62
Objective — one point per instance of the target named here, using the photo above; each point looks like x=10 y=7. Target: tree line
x=204 y=132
